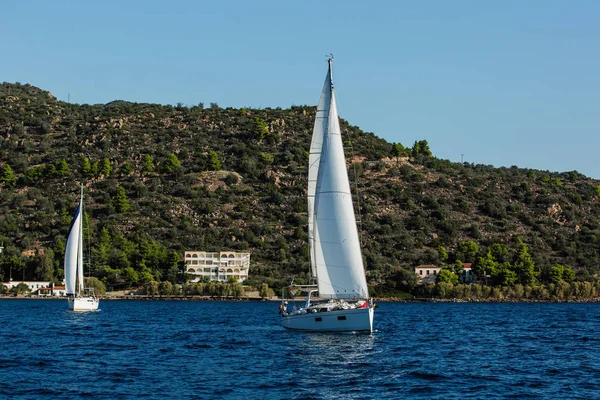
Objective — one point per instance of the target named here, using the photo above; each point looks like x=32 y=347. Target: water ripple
x=191 y=350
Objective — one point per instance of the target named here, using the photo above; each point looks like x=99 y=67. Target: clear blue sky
x=504 y=83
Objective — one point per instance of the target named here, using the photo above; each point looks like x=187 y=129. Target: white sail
x=316 y=144
x=338 y=258
x=80 y=249
x=72 y=253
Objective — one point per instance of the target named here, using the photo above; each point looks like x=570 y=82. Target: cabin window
x=342 y=318
x=318 y=319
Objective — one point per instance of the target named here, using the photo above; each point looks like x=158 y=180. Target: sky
x=501 y=83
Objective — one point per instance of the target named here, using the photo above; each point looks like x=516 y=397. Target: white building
x=32 y=285
x=217 y=266
x=427 y=273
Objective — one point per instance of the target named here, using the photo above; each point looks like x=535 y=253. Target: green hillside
x=160 y=180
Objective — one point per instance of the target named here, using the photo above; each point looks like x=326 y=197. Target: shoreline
x=275 y=299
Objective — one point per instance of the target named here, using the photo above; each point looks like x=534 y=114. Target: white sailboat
x=335 y=255
x=79 y=298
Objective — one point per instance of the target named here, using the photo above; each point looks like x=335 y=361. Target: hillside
x=160 y=180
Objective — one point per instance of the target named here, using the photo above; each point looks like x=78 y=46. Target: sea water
x=238 y=350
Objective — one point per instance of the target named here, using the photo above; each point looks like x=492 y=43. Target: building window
x=427 y=272
x=421 y=272
x=434 y=272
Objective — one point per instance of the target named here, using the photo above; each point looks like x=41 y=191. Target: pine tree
x=120 y=201
x=86 y=167
x=214 y=163
x=523 y=265
x=106 y=168
x=147 y=164
x=8 y=175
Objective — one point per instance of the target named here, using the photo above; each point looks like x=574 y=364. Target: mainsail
x=314 y=158
x=337 y=256
x=74 y=255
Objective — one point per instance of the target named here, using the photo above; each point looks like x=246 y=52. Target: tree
x=97 y=285
x=499 y=252
x=505 y=275
x=458 y=268
x=130 y=276
x=8 y=175
x=120 y=201
x=265 y=291
x=467 y=251
x=442 y=254
x=421 y=148
x=523 y=265
x=398 y=151
x=94 y=169
x=170 y=163
x=213 y=161
x=21 y=288
x=101 y=250
x=266 y=158
x=445 y=275
x=106 y=168
x=33 y=175
x=127 y=168
x=62 y=169
x=165 y=288
x=86 y=167
x=147 y=164
x=45 y=269
x=556 y=273
x=260 y=128
x=485 y=266
x=568 y=274
x=151 y=288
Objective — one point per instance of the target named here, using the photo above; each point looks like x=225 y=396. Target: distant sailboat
x=335 y=255
x=79 y=298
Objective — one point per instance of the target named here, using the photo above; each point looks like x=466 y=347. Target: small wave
x=427 y=376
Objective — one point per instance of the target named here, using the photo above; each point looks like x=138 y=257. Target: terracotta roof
x=467 y=265
x=427 y=266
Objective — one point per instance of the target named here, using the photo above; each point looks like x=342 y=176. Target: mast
x=80 y=246
x=316 y=146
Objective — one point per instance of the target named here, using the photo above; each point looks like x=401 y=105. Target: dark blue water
x=214 y=350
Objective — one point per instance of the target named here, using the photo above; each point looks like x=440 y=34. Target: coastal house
x=429 y=272
x=32 y=285
x=215 y=266
x=53 y=291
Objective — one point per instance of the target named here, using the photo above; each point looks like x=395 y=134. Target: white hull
x=83 y=303
x=352 y=320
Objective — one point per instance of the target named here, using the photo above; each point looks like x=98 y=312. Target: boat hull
x=83 y=303
x=352 y=320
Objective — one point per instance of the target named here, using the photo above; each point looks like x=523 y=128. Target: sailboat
x=335 y=254
x=79 y=298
